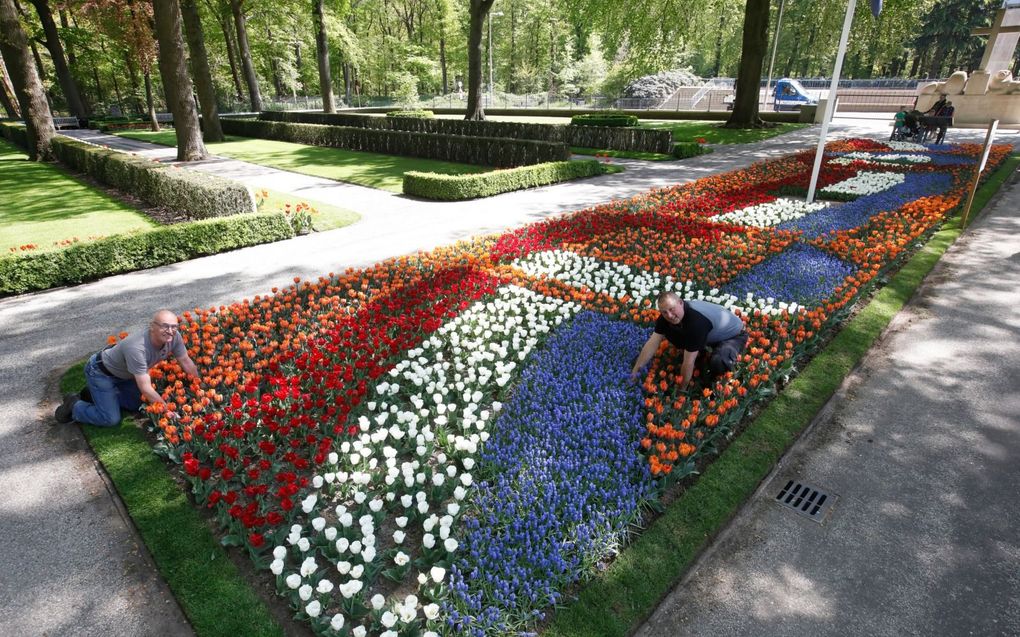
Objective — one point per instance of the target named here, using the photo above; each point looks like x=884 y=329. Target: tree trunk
x=136 y=98
x=442 y=62
x=211 y=129
x=150 y=103
x=56 y=49
x=27 y=85
x=250 y=78
x=347 y=83
x=752 y=54
x=322 y=57
x=64 y=24
x=511 y=84
x=228 y=41
x=99 y=85
x=274 y=66
x=173 y=68
x=718 y=45
x=478 y=10
x=7 y=95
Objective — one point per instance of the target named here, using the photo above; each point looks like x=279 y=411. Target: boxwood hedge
x=199 y=195
x=604 y=119
x=482 y=151
x=128 y=252
x=459 y=187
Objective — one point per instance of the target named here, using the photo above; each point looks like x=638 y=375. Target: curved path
x=71 y=562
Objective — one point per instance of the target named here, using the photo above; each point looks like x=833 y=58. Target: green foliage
x=460 y=187
x=683 y=150
x=604 y=119
x=405 y=89
x=17 y=134
x=419 y=114
x=126 y=253
x=199 y=195
x=481 y=151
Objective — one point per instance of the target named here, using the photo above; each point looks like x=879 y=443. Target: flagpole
x=830 y=103
x=772 y=64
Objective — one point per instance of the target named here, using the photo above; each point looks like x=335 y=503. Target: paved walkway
x=922 y=446
x=71 y=563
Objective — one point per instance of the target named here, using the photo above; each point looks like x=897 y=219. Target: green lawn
x=385 y=172
x=715 y=134
x=324 y=216
x=44 y=205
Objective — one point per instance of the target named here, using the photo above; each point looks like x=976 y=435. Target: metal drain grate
x=809 y=501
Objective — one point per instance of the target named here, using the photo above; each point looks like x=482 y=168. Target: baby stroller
x=907 y=127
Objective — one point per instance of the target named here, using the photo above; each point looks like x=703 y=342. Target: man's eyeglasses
x=167 y=327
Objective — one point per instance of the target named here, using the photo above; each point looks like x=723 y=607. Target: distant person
x=118 y=376
x=693 y=327
x=945 y=112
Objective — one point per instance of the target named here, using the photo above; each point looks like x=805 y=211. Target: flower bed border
x=631 y=587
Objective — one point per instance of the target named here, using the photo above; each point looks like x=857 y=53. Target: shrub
x=604 y=119
x=415 y=114
x=125 y=253
x=16 y=134
x=683 y=150
x=482 y=151
x=601 y=137
x=459 y=187
x=199 y=195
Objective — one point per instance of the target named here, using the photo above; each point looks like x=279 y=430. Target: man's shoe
x=64 y=412
x=85 y=394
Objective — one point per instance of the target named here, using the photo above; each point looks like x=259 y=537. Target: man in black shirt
x=693 y=327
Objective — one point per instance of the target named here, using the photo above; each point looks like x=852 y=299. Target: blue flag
x=876 y=7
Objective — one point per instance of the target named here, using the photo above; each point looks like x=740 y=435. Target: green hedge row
x=482 y=151
x=419 y=114
x=602 y=137
x=16 y=134
x=460 y=187
x=604 y=119
x=129 y=252
x=200 y=195
x=683 y=150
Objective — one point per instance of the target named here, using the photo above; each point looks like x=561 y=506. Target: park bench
x=65 y=122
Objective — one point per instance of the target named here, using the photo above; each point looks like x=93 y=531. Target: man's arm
x=188 y=366
x=144 y=383
x=687 y=368
x=647 y=352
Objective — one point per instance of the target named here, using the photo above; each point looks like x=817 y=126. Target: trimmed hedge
x=683 y=150
x=602 y=137
x=482 y=151
x=16 y=134
x=125 y=253
x=419 y=114
x=460 y=187
x=200 y=195
x=604 y=119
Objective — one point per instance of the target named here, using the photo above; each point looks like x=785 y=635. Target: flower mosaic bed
x=442 y=444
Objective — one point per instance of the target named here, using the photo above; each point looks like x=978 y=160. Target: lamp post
x=494 y=14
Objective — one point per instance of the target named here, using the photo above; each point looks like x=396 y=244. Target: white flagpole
x=772 y=64
x=830 y=103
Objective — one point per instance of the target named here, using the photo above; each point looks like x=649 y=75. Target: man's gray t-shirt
x=136 y=355
x=725 y=324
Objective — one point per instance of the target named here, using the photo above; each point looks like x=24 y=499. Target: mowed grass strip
x=44 y=204
x=216 y=599
x=614 y=603
x=374 y=170
x=714 y=133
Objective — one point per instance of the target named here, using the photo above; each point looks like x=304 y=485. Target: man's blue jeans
x=109 y=395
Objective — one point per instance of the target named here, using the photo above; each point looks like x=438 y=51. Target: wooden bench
x=65 y=122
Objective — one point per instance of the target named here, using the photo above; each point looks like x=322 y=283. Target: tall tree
x=752 y=54
x=244 y=52
x=7 y=96
x=27 y=85
x=478 y=11
x=67 y=83
x=211 y=129
x=322 y=56
x=173 y=69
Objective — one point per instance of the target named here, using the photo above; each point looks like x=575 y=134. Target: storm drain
x=809 y=501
